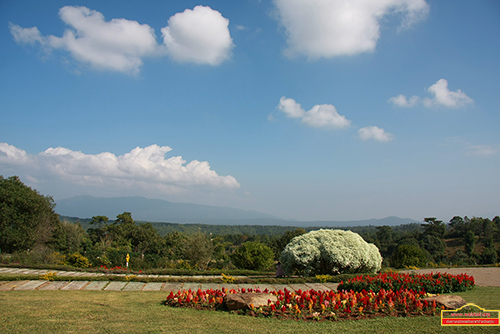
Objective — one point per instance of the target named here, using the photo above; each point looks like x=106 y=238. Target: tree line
x=31 y=231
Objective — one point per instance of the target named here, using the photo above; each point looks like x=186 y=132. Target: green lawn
x=142 y=312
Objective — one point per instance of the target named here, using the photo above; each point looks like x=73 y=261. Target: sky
x=306 y=110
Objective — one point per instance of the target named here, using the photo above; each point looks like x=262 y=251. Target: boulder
x=449 y=302
x=242 y=301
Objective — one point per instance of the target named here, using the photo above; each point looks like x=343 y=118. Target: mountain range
x=156 y=210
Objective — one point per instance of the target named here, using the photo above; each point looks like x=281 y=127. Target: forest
x=32 y=233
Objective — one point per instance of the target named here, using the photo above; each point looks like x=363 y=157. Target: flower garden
x=428 y=283
x=359 y=298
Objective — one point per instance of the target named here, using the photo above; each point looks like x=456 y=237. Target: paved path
x=137 y=286
x=151 y=286
x=483 y=277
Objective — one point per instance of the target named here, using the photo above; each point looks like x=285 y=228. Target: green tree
x=279 y=243
x=146 y=240
x=408 y=255
x=253 y=255
x=174 y=244
x=99 y=221
x=458 y=227
x=222 y=250
x=27 y=218
x=198 y=250
x=489 y=255
x=125 y=219
x=384 y=240
x=69 y=237
x=434 y=227
x=121 y=231
x=496 y=228
x=470 y=242
x=434 y=245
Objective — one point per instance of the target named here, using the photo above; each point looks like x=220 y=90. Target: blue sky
x=325 y=110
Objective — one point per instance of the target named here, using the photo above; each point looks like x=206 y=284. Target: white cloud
x=117 y=45
x=375 y=133
x=443 y=97
x=320 y=116
x=12 y=155
x=446 y=98
x=144 y=168
x=402 y=101
x=26 y=35
x=200 y=35
x=291 y=108
x=329 y=28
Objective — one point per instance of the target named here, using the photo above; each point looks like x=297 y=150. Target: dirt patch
x=489 y=276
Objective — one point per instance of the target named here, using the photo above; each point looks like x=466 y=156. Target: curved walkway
x=486 y=276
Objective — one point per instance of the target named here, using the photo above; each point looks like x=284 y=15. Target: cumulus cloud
x=402 y=101
x=117 y=45
x=442 y=97
x=145 y=168
x=12 y=155
x=200 y=36
x=375 y=133
x=329 y=28
x=319 y=116
x=26 y=35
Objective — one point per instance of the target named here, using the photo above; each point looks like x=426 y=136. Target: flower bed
x=314 y=305
x=430 y=283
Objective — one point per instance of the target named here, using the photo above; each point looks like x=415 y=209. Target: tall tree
x=199 y=250
x=434 y=227
x=27 y=218
x=253 y=255
x=470 y=242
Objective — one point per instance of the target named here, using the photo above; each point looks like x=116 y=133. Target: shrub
x=408 y=255
x=78 y=260
x=253 y=255
x=49 y=276
x=330 y=252
x=101 y=261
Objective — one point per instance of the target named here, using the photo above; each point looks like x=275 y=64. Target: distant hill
x=155 y=210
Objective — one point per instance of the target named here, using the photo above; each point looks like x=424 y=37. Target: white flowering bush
x=330 y=252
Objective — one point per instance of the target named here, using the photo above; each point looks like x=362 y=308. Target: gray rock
x=449 y=302
x=242 y=301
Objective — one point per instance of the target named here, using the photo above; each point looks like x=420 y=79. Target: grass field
x=142 y=312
